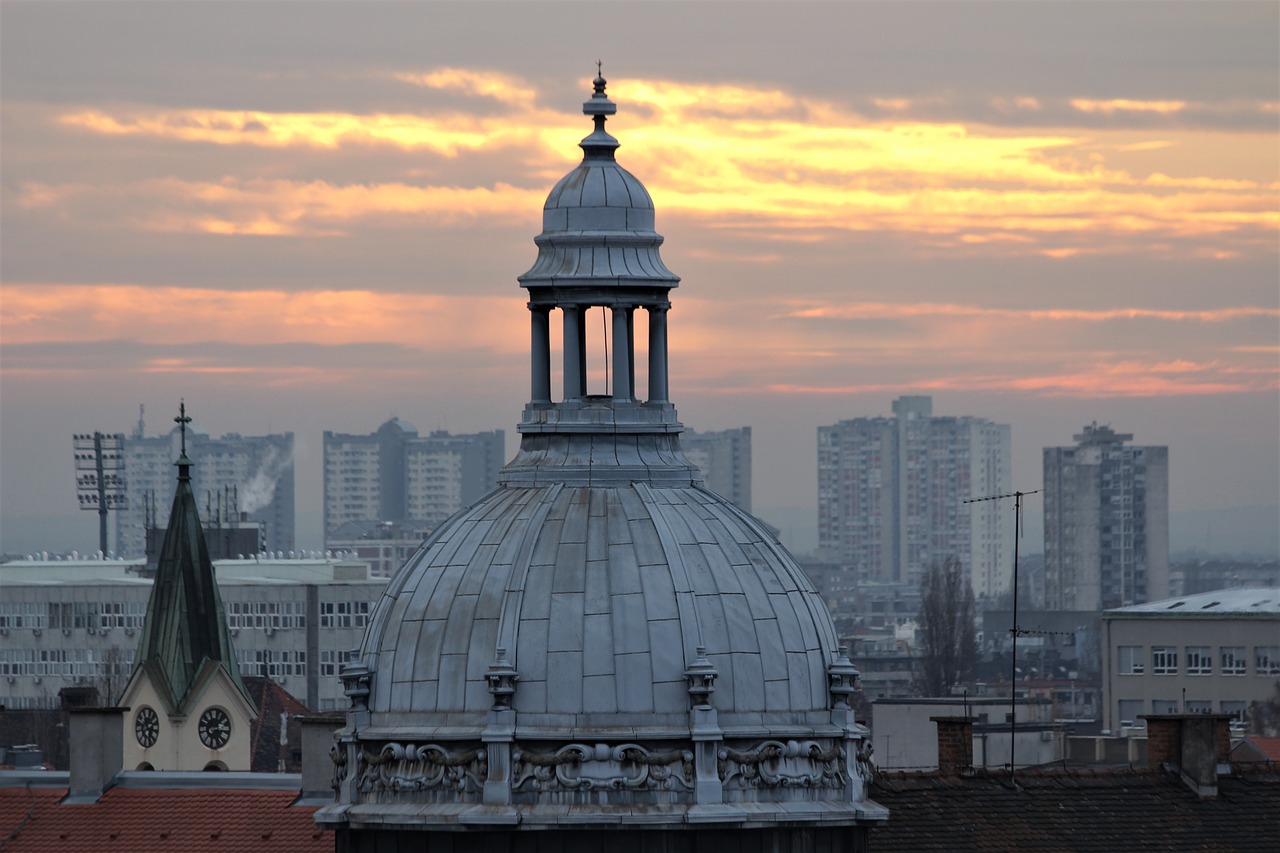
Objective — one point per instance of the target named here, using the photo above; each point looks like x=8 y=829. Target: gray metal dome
x=601 y=598
x=601 y=641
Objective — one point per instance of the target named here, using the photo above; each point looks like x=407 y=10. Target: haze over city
x=302 y=217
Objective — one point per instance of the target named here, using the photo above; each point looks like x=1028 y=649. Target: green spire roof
x=186 y=627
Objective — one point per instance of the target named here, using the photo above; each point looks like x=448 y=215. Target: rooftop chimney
x=955 y=742
x=1192 y=744
x=97 y=752
x=317 y=762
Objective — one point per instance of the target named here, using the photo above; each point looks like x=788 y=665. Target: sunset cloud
x=751 y=157
x=884 y=311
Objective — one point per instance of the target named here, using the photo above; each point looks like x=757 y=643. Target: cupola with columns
x=601 y=645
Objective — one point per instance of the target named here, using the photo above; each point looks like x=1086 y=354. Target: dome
x=601 y=641
x=601 y=599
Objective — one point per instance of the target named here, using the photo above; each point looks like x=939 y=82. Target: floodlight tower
x=100 y=480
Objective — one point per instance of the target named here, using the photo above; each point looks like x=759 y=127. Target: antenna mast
x=1014 y=630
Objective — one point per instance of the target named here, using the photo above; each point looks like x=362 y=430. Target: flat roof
x=1243 y=601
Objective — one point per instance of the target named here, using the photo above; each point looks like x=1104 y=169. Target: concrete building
x=724 y=458
x=891 y=495
x=231 y=475
x=1209 y=653
x=601 y=653
x=1106 y=522
x=71 y=623
x=396 y=475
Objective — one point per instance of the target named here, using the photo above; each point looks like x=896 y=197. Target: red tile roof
x=1267 y=746
x=132 y=820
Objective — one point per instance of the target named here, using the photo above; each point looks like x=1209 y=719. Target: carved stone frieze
x=338 y=755
x=578 y=767
x=774 y=764
x=406 y=767
x=866 y=764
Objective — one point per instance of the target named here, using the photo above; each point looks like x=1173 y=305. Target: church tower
x=188 y=707
x=600 y=651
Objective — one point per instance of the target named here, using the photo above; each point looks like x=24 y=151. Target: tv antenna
x=1014 y=630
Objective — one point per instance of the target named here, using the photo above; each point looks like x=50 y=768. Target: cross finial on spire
x=599 y=68
x=182 y=420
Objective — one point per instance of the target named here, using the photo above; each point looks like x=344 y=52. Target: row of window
x=72 y=614
x=69 y=663
x=272 y=664
x=1199 y=660
x=280 y=615
x=116 y=662
x=1131 y=709
x=266 y=614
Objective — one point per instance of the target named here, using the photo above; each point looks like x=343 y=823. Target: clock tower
x=188 y=707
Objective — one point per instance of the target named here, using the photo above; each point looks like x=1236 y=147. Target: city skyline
x=1041 y=214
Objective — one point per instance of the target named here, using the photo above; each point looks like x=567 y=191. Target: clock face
x=146 y=727
x=215 y=728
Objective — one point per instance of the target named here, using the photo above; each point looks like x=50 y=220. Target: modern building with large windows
x=892 y=492
x=1106 y=522
x=1209 y=653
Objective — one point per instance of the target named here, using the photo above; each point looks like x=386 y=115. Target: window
x=344 y=614
x=1266 y=660
x=1233 y=660
x=1164 y=706
x=1131 y=660
x=1164 y=661
x=1129 y=711
x=1236 y=708
x=1199 y=662
x=331 y=662
x=1199 y=706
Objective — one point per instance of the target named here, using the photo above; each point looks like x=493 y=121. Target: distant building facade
x=891 y=495
x=396 y=475
x=77 y=623
x=1106 y=522
x=231 y=475
x=724 y=457
x=1214 y=652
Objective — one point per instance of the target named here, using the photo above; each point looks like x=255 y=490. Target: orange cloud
x=1115 y=105
x=82 y=313
x=891 y=311
x=750 y=158
x=279 y=207
x=505 y=88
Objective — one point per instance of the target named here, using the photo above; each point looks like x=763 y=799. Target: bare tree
x=948 y=646
x=1264 y=715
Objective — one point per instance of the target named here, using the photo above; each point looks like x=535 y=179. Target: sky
x=307 y=216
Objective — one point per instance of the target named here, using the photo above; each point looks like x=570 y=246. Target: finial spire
x=599 y=143
x=182 y=420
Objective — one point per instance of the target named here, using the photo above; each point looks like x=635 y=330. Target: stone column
x=623 y=354
x=574 y=378
x=658 y=353
x=540 y=352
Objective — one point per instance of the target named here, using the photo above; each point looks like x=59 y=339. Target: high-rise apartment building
x=724 y=457
x=1106 y=522
x=396 y=475
x=891 y=495
x=249 y=474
